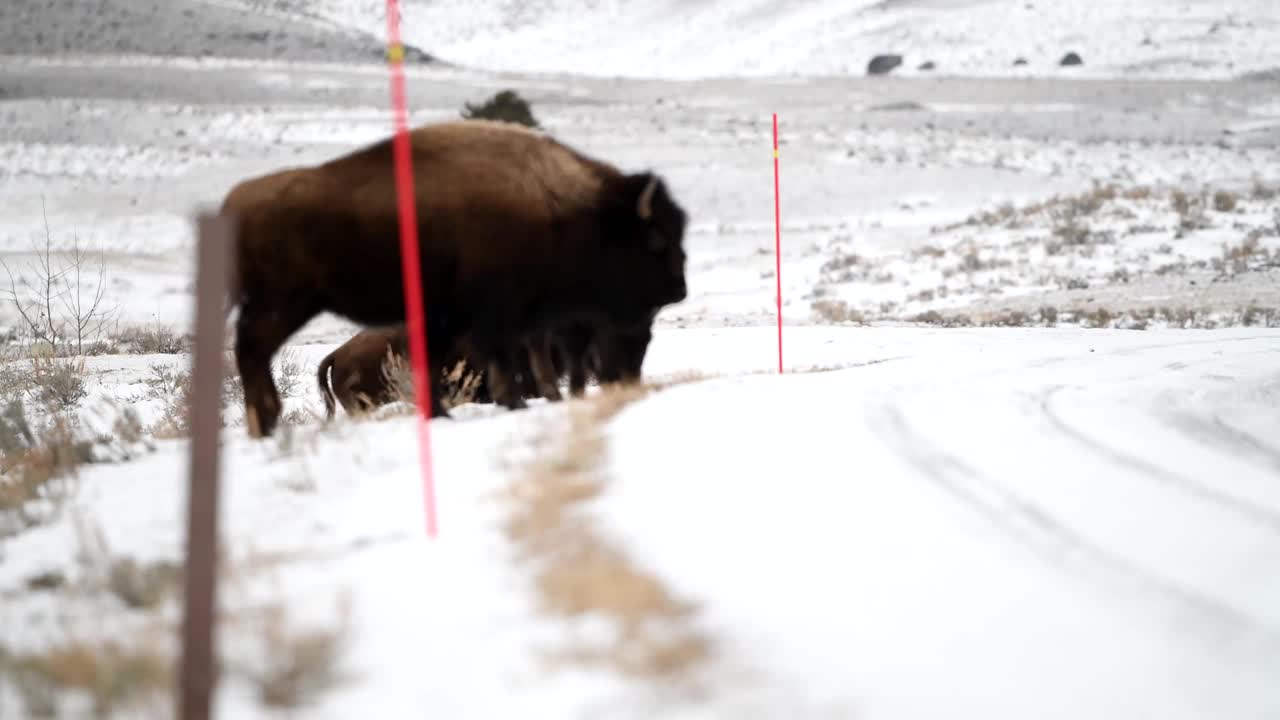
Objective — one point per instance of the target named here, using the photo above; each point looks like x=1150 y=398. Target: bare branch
x=31 y=323
x=54 y=306
x=48 y=279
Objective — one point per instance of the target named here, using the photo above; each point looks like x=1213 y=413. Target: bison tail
x=233 y=289
x=322 y=379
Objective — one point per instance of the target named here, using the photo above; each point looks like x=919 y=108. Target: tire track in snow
x=1252 y=512
x=1042 y=533
x=1218 y=433
x=1244 y=439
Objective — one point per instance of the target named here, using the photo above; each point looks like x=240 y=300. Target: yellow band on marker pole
x=775 y=152
x=395 y=53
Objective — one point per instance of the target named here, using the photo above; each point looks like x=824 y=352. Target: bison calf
x=358 y=373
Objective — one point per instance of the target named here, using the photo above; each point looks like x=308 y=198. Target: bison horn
x=644 y=207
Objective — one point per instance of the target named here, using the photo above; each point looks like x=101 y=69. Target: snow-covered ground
x=927 y=514
x=1022 y=522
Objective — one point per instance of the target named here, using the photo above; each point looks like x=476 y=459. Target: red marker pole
x=409 y=256
x=777 y=237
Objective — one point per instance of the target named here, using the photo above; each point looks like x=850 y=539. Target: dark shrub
x=506 y=106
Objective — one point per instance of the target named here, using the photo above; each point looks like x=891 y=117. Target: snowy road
x=994 y=524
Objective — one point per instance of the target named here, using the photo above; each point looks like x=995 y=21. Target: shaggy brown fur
x=356 y=370
x=582 y=350
x=518 y=233
x=614 y=356
x=356 y=373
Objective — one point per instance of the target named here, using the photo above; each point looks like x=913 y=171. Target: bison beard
x=519 y=234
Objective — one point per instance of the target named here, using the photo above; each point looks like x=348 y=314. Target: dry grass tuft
x=36 y=470
x=594 y=578
x=172 y=385
x=933 y=317
x=841 y=263
x=58 y=382
x=155 y=340
x=299 y=416
x=1237 y=259
x=1097 y=318
x=49 y=580
x=837 y=311
x=113 y=675
x=1191 y=212
x=398 y=375
x=1264 y=192
x=680 y=378
x=1224 y=201
x=1182 y=317
x=143 y=585
x=299 y=664
x=138 y=585
x=290 y=373
x=461 y=384
x=578 y=571
x=1258 y=316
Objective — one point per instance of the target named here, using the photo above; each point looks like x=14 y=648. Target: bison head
x=643 y=246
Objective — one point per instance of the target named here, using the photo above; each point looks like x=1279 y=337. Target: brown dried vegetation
x=578 y=570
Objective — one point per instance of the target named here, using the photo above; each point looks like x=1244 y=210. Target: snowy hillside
x=711 y=38
x=1024 y=461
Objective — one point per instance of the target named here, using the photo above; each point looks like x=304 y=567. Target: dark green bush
x=506 y=106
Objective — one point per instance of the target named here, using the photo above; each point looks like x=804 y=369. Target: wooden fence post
x=199 y=665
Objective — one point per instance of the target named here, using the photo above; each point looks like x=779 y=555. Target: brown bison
x=519 y=233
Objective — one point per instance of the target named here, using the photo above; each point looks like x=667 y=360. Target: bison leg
x=524 y=374
x=442 y=345
x=258 y=336
x=437 y=391
x=615 y=355
x=558 y=364
x=608 y=358
x=576 y=340
x=502 y=383
x=630 y=349
x=539 y=352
